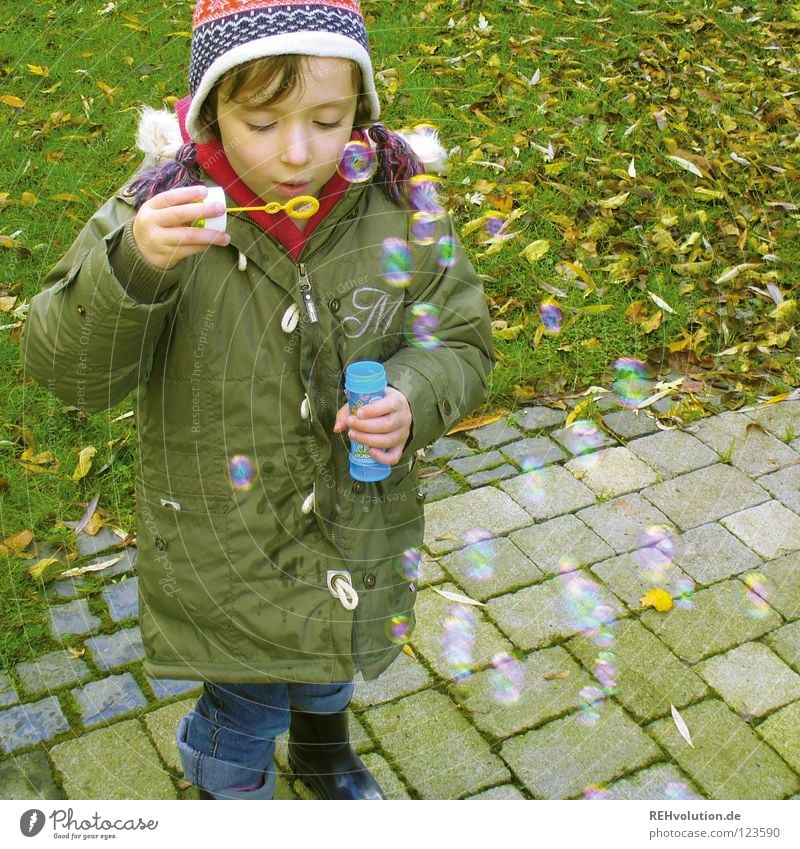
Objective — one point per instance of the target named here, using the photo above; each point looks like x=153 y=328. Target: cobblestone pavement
x=557 y=683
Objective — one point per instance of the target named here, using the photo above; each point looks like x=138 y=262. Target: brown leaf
x=12 y=545
x=475 y=421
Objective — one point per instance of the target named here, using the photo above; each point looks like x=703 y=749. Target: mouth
x=293 y=188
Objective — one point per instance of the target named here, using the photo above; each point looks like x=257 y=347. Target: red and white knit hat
x=227 y=33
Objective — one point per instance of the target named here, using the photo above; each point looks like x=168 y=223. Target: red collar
x=212 y=159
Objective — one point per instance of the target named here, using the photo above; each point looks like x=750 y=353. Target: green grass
x=604 y=83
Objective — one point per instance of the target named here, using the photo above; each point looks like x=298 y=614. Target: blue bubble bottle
x=365 y=382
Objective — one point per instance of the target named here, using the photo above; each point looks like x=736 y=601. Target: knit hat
x=228 y=33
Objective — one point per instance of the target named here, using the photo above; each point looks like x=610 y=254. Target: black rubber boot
x=321 y=755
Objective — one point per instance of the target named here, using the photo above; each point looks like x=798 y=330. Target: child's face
x=292 y=147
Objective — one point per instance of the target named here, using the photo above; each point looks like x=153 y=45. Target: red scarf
x=212 y=159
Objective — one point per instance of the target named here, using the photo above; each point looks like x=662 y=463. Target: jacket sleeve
x=447 y=380
x=88 y=337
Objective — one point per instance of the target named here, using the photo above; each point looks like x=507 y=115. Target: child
x=264 y=569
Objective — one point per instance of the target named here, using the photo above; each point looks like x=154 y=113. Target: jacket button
x=446 y=407
x=81 y=310
x=359 y=486
x=420 y=495
x=369 y=580
x=334 y=305
x=160 y=543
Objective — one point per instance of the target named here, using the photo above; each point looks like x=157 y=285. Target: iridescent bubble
x=583 y=437
x=684 y=593
x=495 y=221
x=242 y=472
x=757 y=598
x=423 y=194
x=460 y=629
x=424 y=226
x=398 y=629
x=395 y=263
x=479 y=554
x=422 y=326
x=595 y=791
x=676 y=790
x=506 y=678
x=551 y=316
x=605 y=672
x=656 y=550
x=591 y=703
x=446 y=251
x=587 y=610
x=631 y=384
x=533 y=480
x=358 y=162
x=410 y=564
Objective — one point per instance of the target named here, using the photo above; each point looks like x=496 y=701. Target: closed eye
x=260 y=128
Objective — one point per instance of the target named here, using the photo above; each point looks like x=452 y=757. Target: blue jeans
x=227 y=742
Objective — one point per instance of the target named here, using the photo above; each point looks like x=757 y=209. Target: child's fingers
x=390 y=457
x=175 y=197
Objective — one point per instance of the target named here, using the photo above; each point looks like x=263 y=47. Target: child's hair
x=397 y=163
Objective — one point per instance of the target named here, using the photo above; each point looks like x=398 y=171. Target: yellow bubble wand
x=300 y=208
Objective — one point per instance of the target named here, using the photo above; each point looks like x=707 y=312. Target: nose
x=296 y=146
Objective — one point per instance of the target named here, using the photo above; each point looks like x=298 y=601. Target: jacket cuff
x=143 y=281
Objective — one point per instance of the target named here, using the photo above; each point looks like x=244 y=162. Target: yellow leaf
x=660 y=599
x=579 y=411
x=39 y=70
x=615 y=202
x=652 y=323
x=40 y=459
x=74 y=653
x=84 y=462
x=508 y=332
x=475 y=421
x=14 y=544
x=67 y=196
x=39 y=569
x=13 y=102
x=535 y=250
x=709 y=194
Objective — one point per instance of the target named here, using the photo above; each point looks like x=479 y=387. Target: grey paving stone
x=427 y=738
x=538 y=417
x=476 y=463
x=168 y=688
x=649 y=678
x=673 y=452
x=710 y=553
x=28 y=776
x=8 y=695
x=627 y=578
x=430 y=571
x=494 y=434
x=538 y=616
x=72 y=618
x=784 y=485
x=404 y=677
x=391 y=785
x=728 y=760
x=719 y=620
x=101 y=700
x=780 y=419
x=50 y=671
x=662 y=781
x=123 y=599
x=102 y=540
x=750 y=447
x=487 y=508
x=548 y=492
x=751 y=679
x=533 y=452
x=785 y=642
x=110 y=650
x=24 y=725
x=705 y=495
x=506 y=792
x=64 y=590
x=439 y=486
x=565 y=536
x=447 y=447
x=783 y=585
x=491 y=567
x=514 y=695
x=770 y=529
x=583 y=437
x=161 y=725
x=454 y=638
x=630 y=423
x=561 y=759
x=118 y=762
x=782 y=732
x=498 y=473
x=612 y=471
x=621 y=521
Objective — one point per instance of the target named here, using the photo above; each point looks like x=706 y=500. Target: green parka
x=241 y=354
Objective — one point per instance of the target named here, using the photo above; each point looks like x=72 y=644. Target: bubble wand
x=300 y=208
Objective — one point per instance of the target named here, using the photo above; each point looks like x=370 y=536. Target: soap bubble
x=582 y=437
x=423 y=194
x=594 y=792
x=358 y=162
x=421 y=326
x=398 y=629
x=605 y=671
x=460 y=629
x=585 y=607
x=684 y=593
x=757 y=598
x=676 y=790
x=479 y=554
x=424 y=226
x=242 y=472
x=395 y=262
x=656 y=550
x=495 y=221
x=446 y=251
x=591 y=702
x=631 y=384
x=506 y=678
x=410 y=564
x=551 y=317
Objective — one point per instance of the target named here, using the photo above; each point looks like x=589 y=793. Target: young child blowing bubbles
x=236 y=343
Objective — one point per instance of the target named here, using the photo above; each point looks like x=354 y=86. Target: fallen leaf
x=88 y=514
x=74 y=653
x=554 y=676
x=615 y=202
x=474 y=422
x=409 y=651
x=446 y=538
x=39 y=570
x=92 y=567
x=12 y=101
x=84 y=462
x=686 y=165
x=660 y=599
x=683 y=729
x=535 y=250
x=12 y=545
x=458 y=598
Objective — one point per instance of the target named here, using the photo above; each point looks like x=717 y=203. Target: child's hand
x=163 y=226
x=382 y=424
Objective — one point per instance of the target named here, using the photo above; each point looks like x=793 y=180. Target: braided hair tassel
x=397 y=163
x=175 y=174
